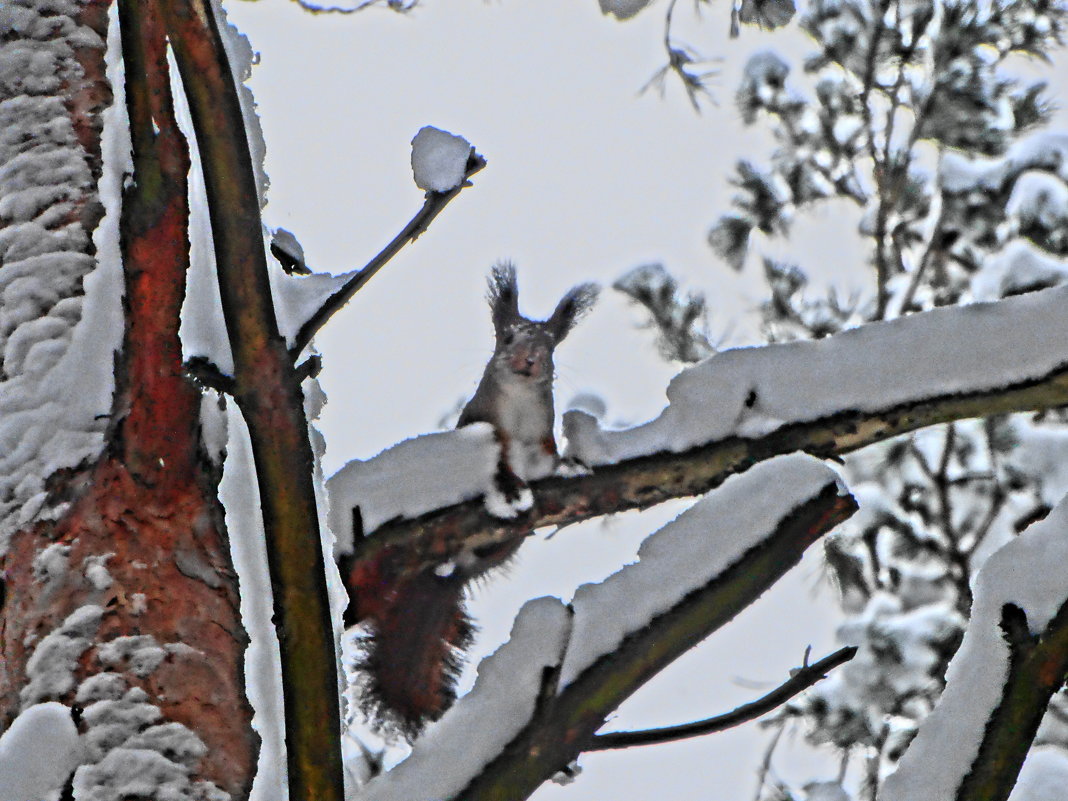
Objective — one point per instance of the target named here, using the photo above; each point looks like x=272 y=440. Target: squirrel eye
x=509 y=338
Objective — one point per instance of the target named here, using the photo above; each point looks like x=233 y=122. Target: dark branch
x=400 y=6
x=267 y=391
x=1036 y=670
x=433 y=205
x=207 y=374
x=310 y=367
x=802 y=679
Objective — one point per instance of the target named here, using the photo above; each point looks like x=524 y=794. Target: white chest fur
x=526 y=417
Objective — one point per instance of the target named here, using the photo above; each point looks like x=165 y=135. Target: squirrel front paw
x=498 y=504
x=508 y=496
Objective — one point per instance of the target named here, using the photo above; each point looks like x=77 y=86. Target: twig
x=680 y=58
x=400 y=6
x=882 y=273
x=207 y=374
x=936 y=238
x=765 y=763
x=433 y=205
x=801 y=680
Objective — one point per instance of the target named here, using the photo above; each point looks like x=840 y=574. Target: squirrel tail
x=417 y=634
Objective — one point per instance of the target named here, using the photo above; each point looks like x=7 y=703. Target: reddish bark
x=88 y=97
x=171 y=579
x=148 y=510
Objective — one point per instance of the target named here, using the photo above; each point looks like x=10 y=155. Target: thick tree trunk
x=127 y=605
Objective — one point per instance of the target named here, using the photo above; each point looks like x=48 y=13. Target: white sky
x=585 y=180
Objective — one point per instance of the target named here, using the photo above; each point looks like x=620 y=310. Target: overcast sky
x=585 y=180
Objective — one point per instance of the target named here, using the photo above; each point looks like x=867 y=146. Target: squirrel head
x=525 y=347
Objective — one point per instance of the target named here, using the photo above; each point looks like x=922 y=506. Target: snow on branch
x=742 y=406
x=578 y=663
x=688 y=554
x=411 y=478
x=1013 y=658
x=751 y=392
x=503 y=700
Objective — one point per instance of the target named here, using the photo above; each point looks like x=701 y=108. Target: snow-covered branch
x=580 y=662
x=433 y=205
x=740 y=407
x=1013 y=659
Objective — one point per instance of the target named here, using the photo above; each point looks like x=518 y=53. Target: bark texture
x=127 y=605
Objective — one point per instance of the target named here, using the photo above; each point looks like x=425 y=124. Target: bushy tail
x=417 y=631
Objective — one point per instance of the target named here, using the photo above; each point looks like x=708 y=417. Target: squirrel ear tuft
x=572 y=307
x=503 y=294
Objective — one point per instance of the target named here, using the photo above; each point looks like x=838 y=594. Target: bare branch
x=801 y=680
x=433 y=205
x=681 y=61
x=765 y=763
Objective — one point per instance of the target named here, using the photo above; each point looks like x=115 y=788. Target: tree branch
x=646 y=481
x=267 y=391
x=564 y=726
x=1038 y=666
x=434 y=204
x=400 y=6
x=801 y=680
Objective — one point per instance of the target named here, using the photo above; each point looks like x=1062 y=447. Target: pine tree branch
x=646 y=481
x=563 y=727
x=434 y=204
x=801 y=680
x=267 y=391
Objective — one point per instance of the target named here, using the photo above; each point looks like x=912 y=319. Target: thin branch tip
x=800 y=679
x=433 y=204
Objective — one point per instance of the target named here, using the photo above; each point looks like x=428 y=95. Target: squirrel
x=418 y=626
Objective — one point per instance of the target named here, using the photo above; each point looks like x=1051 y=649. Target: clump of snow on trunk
x=38 y=753
x=60 y=307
